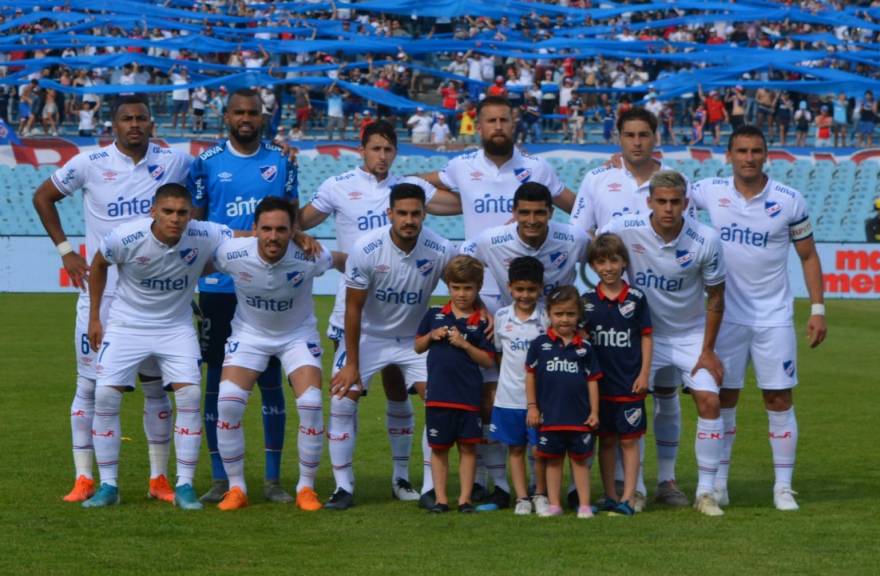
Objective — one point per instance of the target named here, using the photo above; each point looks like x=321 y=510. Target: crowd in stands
x=560 y=94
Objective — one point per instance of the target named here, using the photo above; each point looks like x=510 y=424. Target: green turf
x=834 y=532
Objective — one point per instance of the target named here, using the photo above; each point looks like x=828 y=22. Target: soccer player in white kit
x=390 y=275
x=758 y=219
x=159 y=261
x=484 y=182
x=275 y=316
x=673 y=261
x=358 y=200
x=118 y=184
x=621 y=189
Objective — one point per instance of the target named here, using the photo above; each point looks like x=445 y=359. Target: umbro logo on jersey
x=109 y=175
x=142 y=260
x=268 y=173
x=355 y=195
x=189 y=255
x=156 y=171
x=425 y=266
x=558 y=259
x=439 y=316
x=589 y=307
x=772 y=208
x=225 y=176
x=296 y=278
x=476 y=176
x=522 y=174
x=546 y=346
x=581 y=351
x=615 y=187
x=684 y=258
x=638 y=248
x=724 y=202
x=383 y=268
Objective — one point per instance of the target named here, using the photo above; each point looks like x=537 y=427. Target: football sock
x=105 y=432
x=427 y=477
x=728 y=417
x=496 y=461
x=783 y=444
x=158 y=426
x=187 y=432
x=340 y=440
x=212 y=388
x=82 y=411
x=481 y=475
x=640 y=479
x=400 y=421
x=310 y=440
x=530 y=459
x=274 y=419
x=231 y=404
x=708 y=448
x=667 y=430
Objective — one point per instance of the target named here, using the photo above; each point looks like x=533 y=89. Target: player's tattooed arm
x=97 y=284
x=45 y=198
x=714 y=314
x=816 y=327
x=444 y=203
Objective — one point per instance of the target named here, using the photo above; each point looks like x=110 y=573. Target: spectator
x=179 y=96
x=498 y=88
x=420 y=125
x=867 y=120
x=199 y=100
x=737 y=102
x=303 y=106
x=766 y=102
x=840 y=116
x=87 y=119
x=608 y=119
x=269 y=107
x=26 y=99
x=823 y=128
x=335 y=115
x=716 y=114
x=467 y=128
x=784 y=114
x=667 y=124
x=576 y=118
x=531 y=121
x=440 y=132
x=802 y=120
x=872 y=224
x=50 y=113
x=698 y=125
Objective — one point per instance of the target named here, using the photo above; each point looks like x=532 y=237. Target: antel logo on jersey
x=425 y=266
x=522 y=174
x=684 y=258
x=610 y=338
x=649 y=279
x=561 y=365
x=225 y=176
x=558 y=259
x=615 y=187
x=268 y=173
x=296 y=278
x=156 y=171
x=497 y=205
x=189 y=255
x=772 y=208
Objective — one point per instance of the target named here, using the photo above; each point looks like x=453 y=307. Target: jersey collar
x=552 y=335
x=513 y=160
x=114 y=149
x=620 y=297
x=760 y=195
x=473 y=320
x=372 y=179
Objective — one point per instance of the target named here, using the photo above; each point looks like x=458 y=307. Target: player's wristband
x=64 y=248
x=532 y=404
x=817 y=310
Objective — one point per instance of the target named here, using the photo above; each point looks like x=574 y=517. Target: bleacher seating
x=839 y=195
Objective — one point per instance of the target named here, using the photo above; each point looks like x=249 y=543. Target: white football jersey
x=157 y=281
x=273 y=299
x=487 y=191
x=607 y=193
x=398 y=285
x=673 y=275
x=562 y=250
x=116 y=190
x=755 y=236
x=512 y=339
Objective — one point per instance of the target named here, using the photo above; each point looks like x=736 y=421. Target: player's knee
x=343 y=408
x=516 y=451
x=629 y=443
x=777 y=400
x=310 y=398
x=728 y=397
x=108 y=400
x=187 y=397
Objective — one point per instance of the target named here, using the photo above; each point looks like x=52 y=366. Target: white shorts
x=772 y=350
x=492 y=302
x=175 y=349
x=251 y=352
x=86 y=358
x=680 y=354
x=378 y=352
x=336 y=329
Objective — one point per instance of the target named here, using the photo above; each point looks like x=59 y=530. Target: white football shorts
x=772 y=350
x=681 y=353
x=377 y=352
x=175 y=349
x=249 y=351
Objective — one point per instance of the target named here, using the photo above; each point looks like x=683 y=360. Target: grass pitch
x=833 y=533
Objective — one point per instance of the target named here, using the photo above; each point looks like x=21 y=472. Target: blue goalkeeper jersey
x=229 y=187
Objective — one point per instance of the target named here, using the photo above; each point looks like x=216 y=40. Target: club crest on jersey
x=633 y=416
x=142 y=260
x=684 y=258
x=788 y=366
x=615 y=187
x=296 y=278
x=189 y=255
x=268 y=173
x=225 y=176
x=638 y=248
x=772 y=208
x=156 y=171
x=522 y=174
x=425 y=266
x=383 y=268
x=314 y=349
x=627 y=308
x=558 y=259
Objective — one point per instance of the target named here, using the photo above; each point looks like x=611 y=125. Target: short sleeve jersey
x=454 y=379
x=274 y=299
x=561 y=375
x=562 y=250
x=512 y=340
x=157 y=281
x=229 y=186
x=117 y=190
x=755 y=236
x=673 y=275
x=398 y=284
x=616 y=327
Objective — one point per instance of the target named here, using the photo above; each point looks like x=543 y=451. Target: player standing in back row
x=758 y=219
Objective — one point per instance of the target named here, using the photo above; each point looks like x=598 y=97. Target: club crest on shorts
x=587 y=438
x=788 y=366
x=189 y=255
x=425 y=266
x=627 y=308
x=684 y=258
x=558 y=259
x=314 y=349
x=296 y=278
x=772 y=208
x=522 y=174
x=156 y=171
x=633 y=416
x=268 y=173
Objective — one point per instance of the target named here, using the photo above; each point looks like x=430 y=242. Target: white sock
x=667 y=430
x=231 y=402
x=708 y=448
x=340 y=440
x=310 y=440
x=728 y=418
x=783 y=444
x=82 y=411
x=158 y=426
x=496 y=461
x=187 y=432
x=106 y=431
x=427 y=476
x=400 y=421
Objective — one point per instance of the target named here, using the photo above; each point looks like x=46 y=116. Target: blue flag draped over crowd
x=712 y=66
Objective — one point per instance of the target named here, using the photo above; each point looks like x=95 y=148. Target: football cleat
x=273 y=492
x=218 y=490
x=523 y=507
x=307 y=499
x=340 y=500
x=551 y=511
x=233 y=500
x=83 y=489
x=668 y=493
x=479 y=493
x=706 y=504
x=160 y=489
x=439 y=508
x=426 y=500
x=639 y=501
x=622 y=509
x=403 y=490
x=466 y=508
x=541 y=503
x=106 y=495
x=185 y=498
x=606 y=504
x=783 y=499
x=722 y=497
